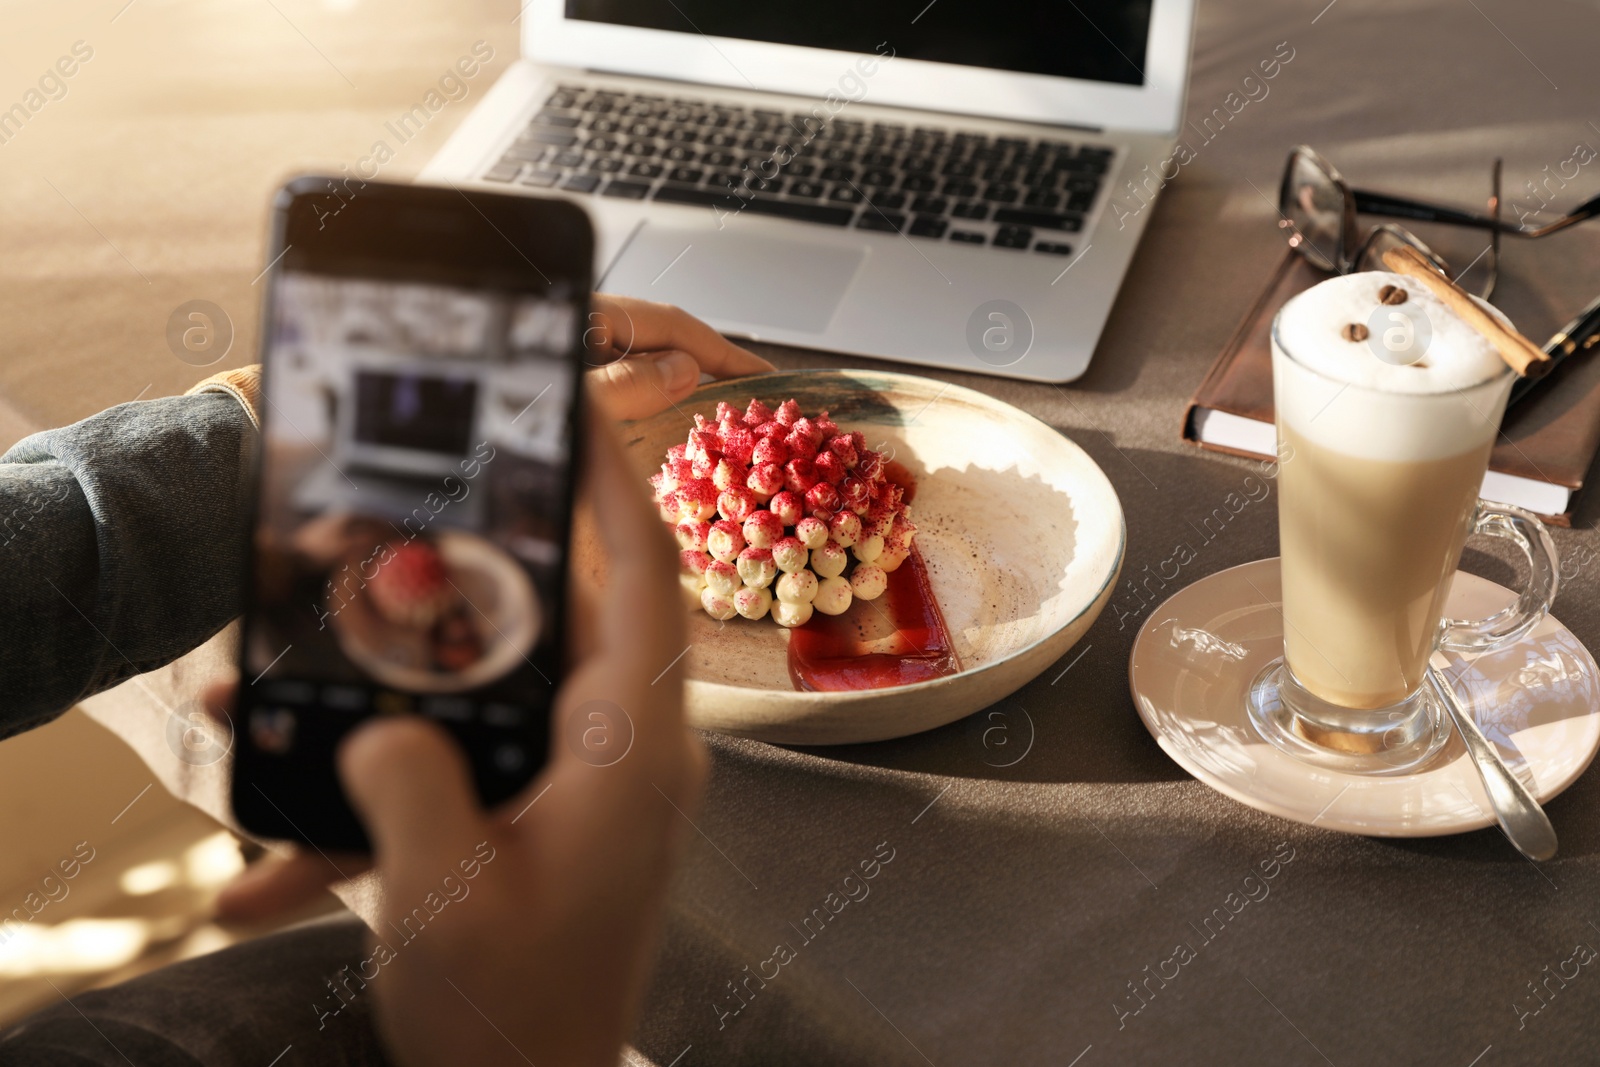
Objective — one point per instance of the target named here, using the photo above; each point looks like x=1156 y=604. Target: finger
x=643 y=326
x=643 y=609
x=279 y=884
x=639 y=386
x=409 y=783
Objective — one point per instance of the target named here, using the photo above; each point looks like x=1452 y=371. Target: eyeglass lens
x=1314 y=205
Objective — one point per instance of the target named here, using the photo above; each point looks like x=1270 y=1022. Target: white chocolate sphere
x=833 y=596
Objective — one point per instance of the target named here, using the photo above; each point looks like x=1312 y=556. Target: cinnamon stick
x=1519 y=353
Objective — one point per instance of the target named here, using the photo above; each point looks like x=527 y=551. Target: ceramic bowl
x=1022 y=533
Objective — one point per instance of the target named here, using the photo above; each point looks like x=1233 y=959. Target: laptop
x=948 y=183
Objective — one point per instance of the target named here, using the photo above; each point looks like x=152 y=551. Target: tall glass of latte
x=1387 y=407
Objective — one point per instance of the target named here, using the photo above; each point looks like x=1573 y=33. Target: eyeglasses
x=1318 y=209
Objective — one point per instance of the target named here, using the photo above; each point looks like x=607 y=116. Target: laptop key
x=604 y=125
x=764 y=185
x=801 y=169
x=1042 y=198
x=970 y=209
x=645 y=170
x=555 y=118
x=1044 y=220
x=807 y=189
x=930 y=205
x=896 y=201
x=581 y=183
x=567 y=159
x=504 y=171
x=838 y=173
x=801 y=211
x=678 y=154
x=928 y=226
x=563 y=97
x=761 y=205
x=686 y=175
x=883 y=221
x=548 y=135
x=1013 y=237
x=960 y=187
x=625 y=189
x=919 y=183
x=1053 y=248
x=640 y=148
x=845 y=194
x=606 y=165
x=967 y=237
x=527 y=153
x=1082 y=165
x=1001 y=193
x=878 y=177
x=541 y=179
x=689 y=194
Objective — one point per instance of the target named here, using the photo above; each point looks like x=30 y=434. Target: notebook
x=1546 y=445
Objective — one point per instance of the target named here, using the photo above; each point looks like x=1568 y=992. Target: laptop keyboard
x=923 y=182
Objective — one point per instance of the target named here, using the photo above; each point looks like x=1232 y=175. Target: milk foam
x=1312 y=328
x=1344 y=395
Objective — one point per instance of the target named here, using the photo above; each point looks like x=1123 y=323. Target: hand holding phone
x=422 y=363
x=548 y=907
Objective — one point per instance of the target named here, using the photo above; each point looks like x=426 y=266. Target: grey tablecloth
x=1022 y=906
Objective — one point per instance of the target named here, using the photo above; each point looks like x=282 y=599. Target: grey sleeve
x=122 y=546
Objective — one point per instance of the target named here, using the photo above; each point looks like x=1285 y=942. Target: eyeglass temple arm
x=1399 y=207
x=1586 y=210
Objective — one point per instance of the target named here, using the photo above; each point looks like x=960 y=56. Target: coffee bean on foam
x=1353 y=396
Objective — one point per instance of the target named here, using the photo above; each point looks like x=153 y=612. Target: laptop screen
x=1096 y=40
x=415 y=411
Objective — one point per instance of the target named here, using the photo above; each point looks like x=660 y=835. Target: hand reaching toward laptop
x=652 y=355
x=543 y=952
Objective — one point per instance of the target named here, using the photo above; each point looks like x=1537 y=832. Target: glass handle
x=1513 y=622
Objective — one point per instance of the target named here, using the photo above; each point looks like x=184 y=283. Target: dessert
x=782 y=514
x=412 y=587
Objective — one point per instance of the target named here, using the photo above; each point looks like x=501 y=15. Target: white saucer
x=1195 y=656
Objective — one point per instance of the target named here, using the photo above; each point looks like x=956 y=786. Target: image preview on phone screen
x=412 y=518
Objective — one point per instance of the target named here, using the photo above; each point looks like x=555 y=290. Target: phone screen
x=411 y=528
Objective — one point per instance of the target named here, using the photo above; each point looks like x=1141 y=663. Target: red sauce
x=898 y=639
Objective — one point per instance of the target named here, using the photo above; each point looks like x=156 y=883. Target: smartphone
x=421 y=356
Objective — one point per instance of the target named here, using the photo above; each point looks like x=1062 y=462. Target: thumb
x=642 y=385
x=411 y=787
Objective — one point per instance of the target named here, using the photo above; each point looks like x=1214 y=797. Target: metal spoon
x=1525 y=824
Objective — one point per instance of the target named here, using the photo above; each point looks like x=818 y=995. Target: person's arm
x=121 y=547
x=123 y=537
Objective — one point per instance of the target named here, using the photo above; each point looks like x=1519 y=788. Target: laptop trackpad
x=729 y=277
